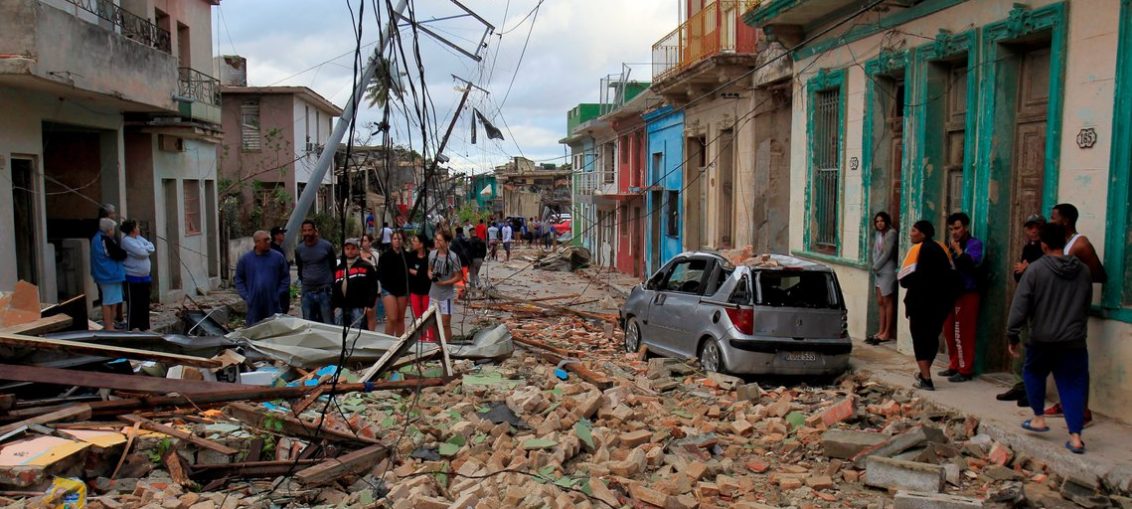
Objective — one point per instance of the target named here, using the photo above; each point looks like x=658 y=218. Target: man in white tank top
x=1076 y=244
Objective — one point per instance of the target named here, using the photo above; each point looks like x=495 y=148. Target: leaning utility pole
x=326 y=158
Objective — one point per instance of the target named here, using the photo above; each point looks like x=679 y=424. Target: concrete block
x=845 y=444
x=913 y=500
x=914 y=437
x=895 y=474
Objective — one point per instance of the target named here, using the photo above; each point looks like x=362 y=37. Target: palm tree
x=386 y=79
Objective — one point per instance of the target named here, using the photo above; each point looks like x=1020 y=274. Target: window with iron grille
x=825 y=168
x=249 y=126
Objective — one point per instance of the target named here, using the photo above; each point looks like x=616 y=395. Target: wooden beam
x=81 y=412
x=349 y=464
x=600 y=380
x=251 y=468
x=176 y=433
x=137 y=383
x=40 y=326
x=78 y=347
x=544 y=346
x=176 y=467
x=209 y=399
x=288 y=425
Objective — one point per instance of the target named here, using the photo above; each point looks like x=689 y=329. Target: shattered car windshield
x=797 y=289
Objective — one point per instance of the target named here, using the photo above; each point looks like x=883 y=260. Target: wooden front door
x=1028 y=172
x=955 y=126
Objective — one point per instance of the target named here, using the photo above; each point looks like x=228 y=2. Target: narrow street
x=812 y=254
x=614 y=430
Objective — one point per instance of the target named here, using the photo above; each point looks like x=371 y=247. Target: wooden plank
x=556 y=297
x=176 y=433
x=600 y=380
x=176 y=468
x=288 y=425
x=78 y=347
x=131 y=434
x=80 y=412
x=138 y=383
x=418 y=326
x=40 y=326
x=446 y=361
x=301 y=405
x=210 y=399
x=250 y=469
x=349 y=464
x=543 y=346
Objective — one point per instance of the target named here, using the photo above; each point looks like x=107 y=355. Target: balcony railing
x=198 y=86
x=132 y=26
x=595 y=182
x=713 y=30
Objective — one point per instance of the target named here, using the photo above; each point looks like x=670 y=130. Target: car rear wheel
x=711 y=359
x=632 y=336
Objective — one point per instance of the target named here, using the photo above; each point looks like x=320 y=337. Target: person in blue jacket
x=261 y=276
x=107 y=269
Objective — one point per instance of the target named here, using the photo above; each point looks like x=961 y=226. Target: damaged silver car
x=773 y=315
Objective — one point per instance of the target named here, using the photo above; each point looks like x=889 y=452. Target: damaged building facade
x=527 y=189
x=272 y=139
x=108 y=102
x=995 y=108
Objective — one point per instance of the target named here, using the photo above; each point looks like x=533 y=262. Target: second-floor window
x=250 y=138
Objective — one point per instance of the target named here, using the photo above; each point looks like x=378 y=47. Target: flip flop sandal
x=1029 y=427
x=1075 y=450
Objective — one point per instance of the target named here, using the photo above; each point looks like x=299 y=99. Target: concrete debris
x=913 y=500
x=897 y=474
x=519 y=429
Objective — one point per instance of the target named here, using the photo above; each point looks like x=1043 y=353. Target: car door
x=673 y=314
x=641 y=304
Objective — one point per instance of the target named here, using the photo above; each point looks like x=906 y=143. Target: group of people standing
x=364 y=284
x=120 y=266
x=1046 y=328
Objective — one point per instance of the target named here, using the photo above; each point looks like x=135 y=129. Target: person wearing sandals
x=928 y=275
x=1053 y=296
x=884 y=272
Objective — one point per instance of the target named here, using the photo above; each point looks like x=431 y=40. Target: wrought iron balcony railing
x=713 y=30
x=198 y=86
x=132 y=26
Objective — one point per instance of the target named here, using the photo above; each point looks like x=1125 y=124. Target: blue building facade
x=665 y=180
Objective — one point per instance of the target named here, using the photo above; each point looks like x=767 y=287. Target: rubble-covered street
x=567 y=420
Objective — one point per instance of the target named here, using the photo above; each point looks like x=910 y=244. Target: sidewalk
x=1109 y=455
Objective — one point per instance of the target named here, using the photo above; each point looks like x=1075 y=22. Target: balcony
x=198 y=95
x=595 y=186
x=87 y=49
x=130 y=25
x=714 y=30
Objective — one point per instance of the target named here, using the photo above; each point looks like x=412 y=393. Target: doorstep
x=1109 y=455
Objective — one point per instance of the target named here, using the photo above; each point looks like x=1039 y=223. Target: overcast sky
x=573 y=44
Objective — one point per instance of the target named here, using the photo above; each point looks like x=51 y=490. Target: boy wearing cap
x=355 y=286
x=1031 y=251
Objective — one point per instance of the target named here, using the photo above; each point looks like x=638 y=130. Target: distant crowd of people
x=374 y=278
x=1046 y=327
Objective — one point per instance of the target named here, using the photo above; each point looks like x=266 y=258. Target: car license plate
x=802 y=356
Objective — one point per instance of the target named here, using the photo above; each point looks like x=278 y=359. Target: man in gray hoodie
x=1054 y=295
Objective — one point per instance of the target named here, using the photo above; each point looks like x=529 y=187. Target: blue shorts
x=111 y=293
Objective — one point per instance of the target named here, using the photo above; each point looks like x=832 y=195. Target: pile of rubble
x=566 y=420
